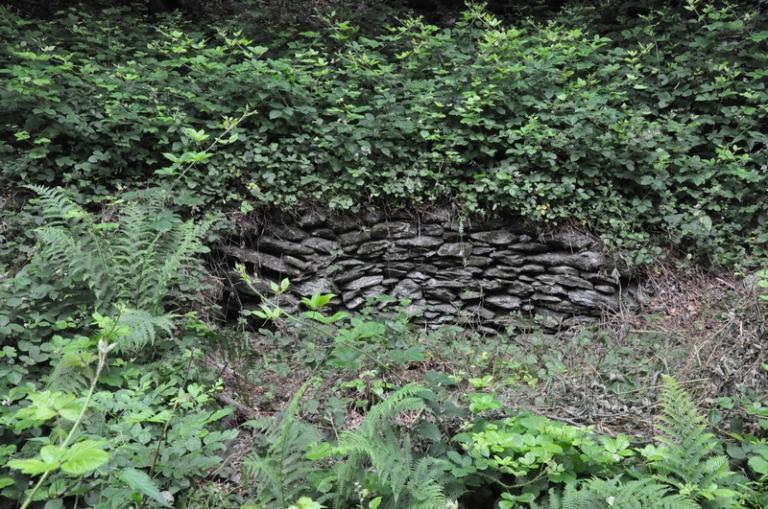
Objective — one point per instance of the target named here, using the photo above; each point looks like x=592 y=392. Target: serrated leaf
x=141 y=482
x=30 y=466
x=85 y=456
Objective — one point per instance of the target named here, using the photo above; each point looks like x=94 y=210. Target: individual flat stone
x=477 y=261
x=587 y=260
x=528 y=247
x=407 y=289
x=563 y=269
x=455 y=249
x=495 y=237
x=471 y=295
x=261 y=260
x=592 y=299
x=420 y=242
x=375 y=246
x=313 y=286
x=312 y=218
x=322 y=245
x=273 y=245
x=564 y=280
x=364 y=282
x=325 y=233
x=351 y=273
x=441 y=294
x=508 y=302
x=568 y=240
x=290 y=233
x=390 y=229
x=531 y=268
x=501 y=272
x=353 y=237
x=444 y=283
x=519 y=289
x=606 y=289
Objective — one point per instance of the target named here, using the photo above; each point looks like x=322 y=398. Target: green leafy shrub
x=653 y=131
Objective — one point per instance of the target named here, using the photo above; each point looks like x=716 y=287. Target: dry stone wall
x=494 y=272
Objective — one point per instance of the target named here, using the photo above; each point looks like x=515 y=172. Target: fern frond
x=691 y=454
x=58 y=209
x=279 y=474
x=141 y=328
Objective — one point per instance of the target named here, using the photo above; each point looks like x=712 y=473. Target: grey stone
x=563 y=269
x=342 y=223
x=354 y=303
x=528 y=247
x=477 y=261
x=553 y=290
x=312 y=218
x=458 y=249
x=587 y=260
x=375 y=246
x=418 y=276
x=548 y=318
x=489 y=285
x=443 y=309
x=545 y=298
x=273 y=245
x=391 y=229
x=508 y=257
x=325 y=233
x=531 y=268
x=569 y=240
x=495 y=237
x=432 y=230
x=407 y=289
x=470 y=295
x=313 y=286
x=483 y=250
x=351 y=274
x=605 y=289
x=564 y=280
x=501 y=272
x=420 y=242
x=300 y=264
x=441 y=294
x=370 y=217
x=397 y=255
x=443 y=283
x=322 y=245
x=364 y=282
x=373 y=291
x=261 y=260
x=592 y=299
x=520 y=289
x=290 y=232
x=353 y=237
x=508 y=302
x=460 y=272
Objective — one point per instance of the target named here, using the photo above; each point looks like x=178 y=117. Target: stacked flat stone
x=495 y=273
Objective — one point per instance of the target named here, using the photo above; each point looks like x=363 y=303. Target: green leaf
x=84 y=457
x=30 y=466
x=141 y=482
x=758 y=464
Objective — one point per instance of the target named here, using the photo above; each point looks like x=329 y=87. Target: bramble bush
x=652 y=133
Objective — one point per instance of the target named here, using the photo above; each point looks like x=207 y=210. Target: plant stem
x=102 y=362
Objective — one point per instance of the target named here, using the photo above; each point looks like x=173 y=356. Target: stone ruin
x=491 y=273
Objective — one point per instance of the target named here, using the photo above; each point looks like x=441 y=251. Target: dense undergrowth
x=124 y=139
x=651 y=134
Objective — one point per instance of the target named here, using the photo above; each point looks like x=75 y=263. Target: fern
x=279 y=474
x=690 y=457
x=615 y=494
x=132 y=264
x=134 y=261
x=377 y=443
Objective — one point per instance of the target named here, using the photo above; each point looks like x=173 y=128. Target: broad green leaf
x=84 y=457
x=139 y=481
